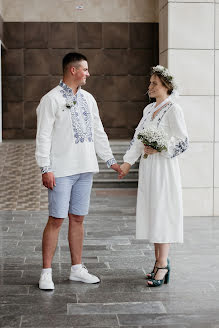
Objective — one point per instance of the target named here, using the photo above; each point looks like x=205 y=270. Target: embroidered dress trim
x=111 y=162
x=180 y=147
x=80 y=114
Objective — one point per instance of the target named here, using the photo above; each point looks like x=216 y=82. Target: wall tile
x=62 y=35
x=138 y=88
x=13 y=62
x=1 y=28
x=197 y=162
x=113 y=65
x=92 y=11
x=36 y=35
x=216 y=165
x=116 y=35
x=110 y=112
x=199 y=116
x=142 y=35
x=54 y=81
x=56 y=57
x=200 y=63
x=217 y=26
x=163 y=59
x=14 y=35
x=35 y=87
x=13 y=88
x=216 y=72
x=140 y=61
x=96 y=63
x=89 y=35
x=30 y=119
x=13 y=115
x=117 y=133
x=116 y=88
x=217 y=118
x=162 y=3
x=199 y=18
x=143 y=11
x=36 y=61
x=13 y=11
x=163 y=29
x=48 y=11
x=198 y=201
x=209 y=1
x=13 y=134
x=115 y=10
x=216 y=201
x=95 y=85
x=134 y=112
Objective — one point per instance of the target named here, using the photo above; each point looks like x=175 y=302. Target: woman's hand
x=125 y=167
x=149 y=150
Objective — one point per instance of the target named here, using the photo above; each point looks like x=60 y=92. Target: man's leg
x=50 y=239
x=79 y=205
x=76 y=237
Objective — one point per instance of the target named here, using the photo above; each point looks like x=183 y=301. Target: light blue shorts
x=70 y=195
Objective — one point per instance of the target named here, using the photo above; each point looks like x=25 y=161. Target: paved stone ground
x=191 y=300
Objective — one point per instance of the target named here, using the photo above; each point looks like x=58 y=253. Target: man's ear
x=72 y=70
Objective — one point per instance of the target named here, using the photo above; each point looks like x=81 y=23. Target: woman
x=159 y=216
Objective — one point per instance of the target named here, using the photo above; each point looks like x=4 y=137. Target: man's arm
x=45 y=123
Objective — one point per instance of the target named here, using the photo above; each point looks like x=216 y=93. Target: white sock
x=47 y=270
x=76 y=267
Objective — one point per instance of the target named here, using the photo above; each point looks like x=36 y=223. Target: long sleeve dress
x=159 y=215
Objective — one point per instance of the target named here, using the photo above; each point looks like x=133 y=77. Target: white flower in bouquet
x=154 y=137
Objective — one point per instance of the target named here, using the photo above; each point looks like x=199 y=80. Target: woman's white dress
x=159 y=216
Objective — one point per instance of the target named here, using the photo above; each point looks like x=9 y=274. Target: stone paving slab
x=116 y=308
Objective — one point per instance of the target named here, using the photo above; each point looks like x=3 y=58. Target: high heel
x=152 y=273
x=165 y=280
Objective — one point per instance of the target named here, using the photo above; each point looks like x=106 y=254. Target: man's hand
x=116 y=168
x=125 y=167
x=48 y=180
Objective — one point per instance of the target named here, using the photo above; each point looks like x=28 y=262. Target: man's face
x=81 y=73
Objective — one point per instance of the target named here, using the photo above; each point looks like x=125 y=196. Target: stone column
x=188 y=43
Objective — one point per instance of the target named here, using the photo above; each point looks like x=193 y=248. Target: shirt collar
x=67 y=89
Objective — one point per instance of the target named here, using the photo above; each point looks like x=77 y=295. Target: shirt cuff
x=111 y=162
x=45 y=169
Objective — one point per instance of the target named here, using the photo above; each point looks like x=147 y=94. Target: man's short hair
x=72 y=58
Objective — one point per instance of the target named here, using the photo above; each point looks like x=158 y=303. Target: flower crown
x=163 y=71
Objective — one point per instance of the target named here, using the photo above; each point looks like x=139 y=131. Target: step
x=111 y=174
x=109 y=183
x=102 y=164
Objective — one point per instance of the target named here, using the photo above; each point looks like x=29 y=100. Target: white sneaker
x=83 y=275
x=46 y=281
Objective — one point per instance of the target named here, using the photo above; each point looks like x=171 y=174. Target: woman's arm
x=179 y=139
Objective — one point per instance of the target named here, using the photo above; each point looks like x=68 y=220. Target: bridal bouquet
x=153 y=137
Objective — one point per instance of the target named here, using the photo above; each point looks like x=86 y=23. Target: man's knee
x=55 y=222
x=76 y=218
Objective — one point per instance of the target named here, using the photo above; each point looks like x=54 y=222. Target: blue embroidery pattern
x=111 y=162
x=80 y=114
x=180 y=147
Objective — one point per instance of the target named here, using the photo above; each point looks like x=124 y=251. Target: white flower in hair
x=165 y=73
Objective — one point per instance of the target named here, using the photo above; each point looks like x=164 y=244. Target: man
x=69 y=134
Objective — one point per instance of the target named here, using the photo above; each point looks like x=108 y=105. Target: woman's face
x=156 y=89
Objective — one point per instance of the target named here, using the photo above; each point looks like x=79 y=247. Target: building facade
x=120 y=38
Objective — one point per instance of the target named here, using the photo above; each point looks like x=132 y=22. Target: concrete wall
x=93 y=10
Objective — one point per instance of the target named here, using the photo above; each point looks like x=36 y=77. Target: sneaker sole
x=47 y=288
x=84 y=280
